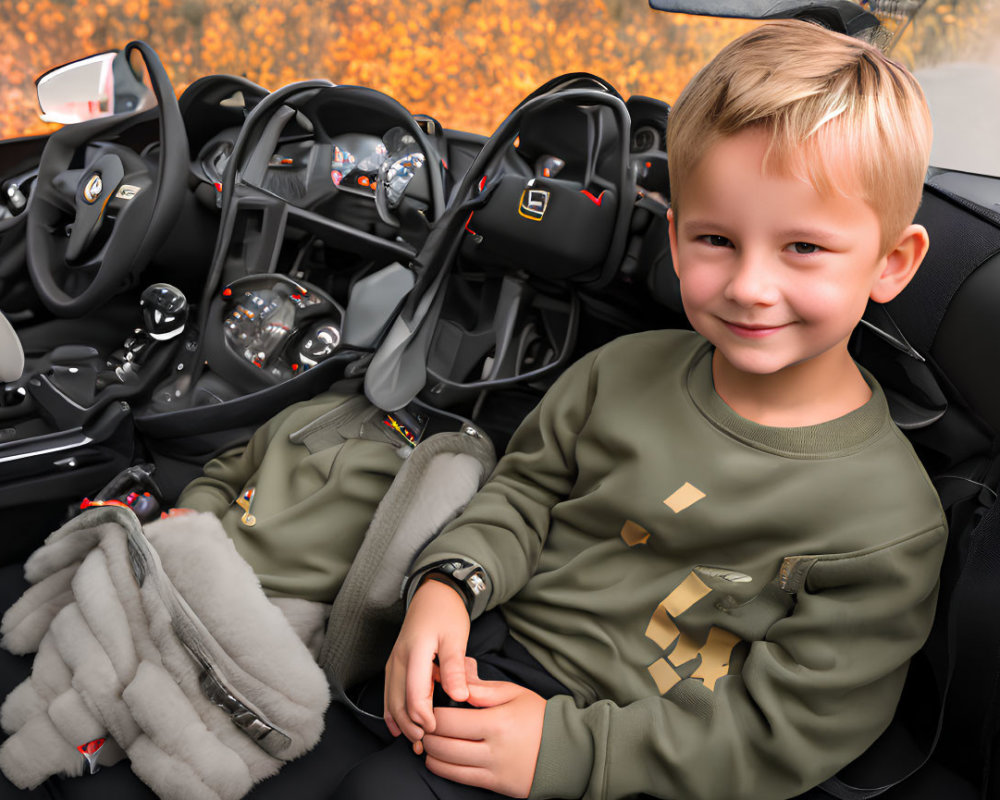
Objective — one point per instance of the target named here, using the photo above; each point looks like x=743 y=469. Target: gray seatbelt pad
x=434 y=484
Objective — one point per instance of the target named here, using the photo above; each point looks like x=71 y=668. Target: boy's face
x=771 y=272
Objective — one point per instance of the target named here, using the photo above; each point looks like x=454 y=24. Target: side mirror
x=843 y=16
x=96 y=86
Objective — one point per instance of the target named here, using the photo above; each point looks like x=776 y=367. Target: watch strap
x=467 y=578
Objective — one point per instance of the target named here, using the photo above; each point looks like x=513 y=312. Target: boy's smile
x=776 y=276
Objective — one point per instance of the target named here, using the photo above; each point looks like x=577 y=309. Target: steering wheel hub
x=105 y=175
x=92 y=191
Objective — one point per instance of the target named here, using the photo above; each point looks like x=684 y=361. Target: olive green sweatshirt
x=297 y=500
x=733 y=606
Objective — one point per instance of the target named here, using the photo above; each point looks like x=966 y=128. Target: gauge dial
x=342 y=165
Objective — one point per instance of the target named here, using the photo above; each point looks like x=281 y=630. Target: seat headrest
x=11 y=353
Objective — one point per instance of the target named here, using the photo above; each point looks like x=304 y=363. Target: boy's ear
x=672 y=236
x=900 y=263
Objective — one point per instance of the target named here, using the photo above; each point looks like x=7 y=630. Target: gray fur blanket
x=134 y=631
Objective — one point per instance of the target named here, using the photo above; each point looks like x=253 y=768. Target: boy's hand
x=436 y=625
x=494 y=745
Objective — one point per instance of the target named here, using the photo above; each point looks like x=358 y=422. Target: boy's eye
x=717 y=241
x=805 y=248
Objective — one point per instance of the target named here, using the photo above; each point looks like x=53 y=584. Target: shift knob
x=164 y=311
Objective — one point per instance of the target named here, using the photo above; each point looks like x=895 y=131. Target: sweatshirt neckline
x=836 y=437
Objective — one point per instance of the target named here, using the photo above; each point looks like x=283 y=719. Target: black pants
x=395 y=771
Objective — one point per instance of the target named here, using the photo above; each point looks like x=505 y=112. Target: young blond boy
x=716 y=543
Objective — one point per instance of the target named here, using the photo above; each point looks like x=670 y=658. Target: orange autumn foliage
x=466 y=62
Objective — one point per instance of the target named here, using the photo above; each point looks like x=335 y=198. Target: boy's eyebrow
x=788 y=234
x=688 y=224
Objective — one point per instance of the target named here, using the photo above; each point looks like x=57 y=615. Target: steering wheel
x=88 y=229
x=318 y=109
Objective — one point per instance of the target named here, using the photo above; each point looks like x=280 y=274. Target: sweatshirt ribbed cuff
x=566 y=756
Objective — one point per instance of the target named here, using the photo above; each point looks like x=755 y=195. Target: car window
x=964 y=98
x=955 y=53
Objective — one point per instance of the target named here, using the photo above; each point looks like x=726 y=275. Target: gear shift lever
x=164 y=311
x=164 y=315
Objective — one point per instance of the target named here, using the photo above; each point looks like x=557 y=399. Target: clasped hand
x=493 y=745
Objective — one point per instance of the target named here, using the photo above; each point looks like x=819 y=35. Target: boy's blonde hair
x=839 y=114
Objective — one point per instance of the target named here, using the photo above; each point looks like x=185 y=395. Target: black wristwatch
x=469 y=579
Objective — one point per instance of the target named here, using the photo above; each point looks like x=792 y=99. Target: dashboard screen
x=356 y=160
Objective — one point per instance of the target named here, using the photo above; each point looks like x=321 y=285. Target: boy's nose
x=752 y=282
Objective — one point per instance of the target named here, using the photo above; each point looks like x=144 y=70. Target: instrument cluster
x=278 y=325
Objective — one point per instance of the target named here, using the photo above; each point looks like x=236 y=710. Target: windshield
x=468 y=63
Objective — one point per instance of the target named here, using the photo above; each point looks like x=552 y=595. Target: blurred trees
x=466 y=62
x=946 y=30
